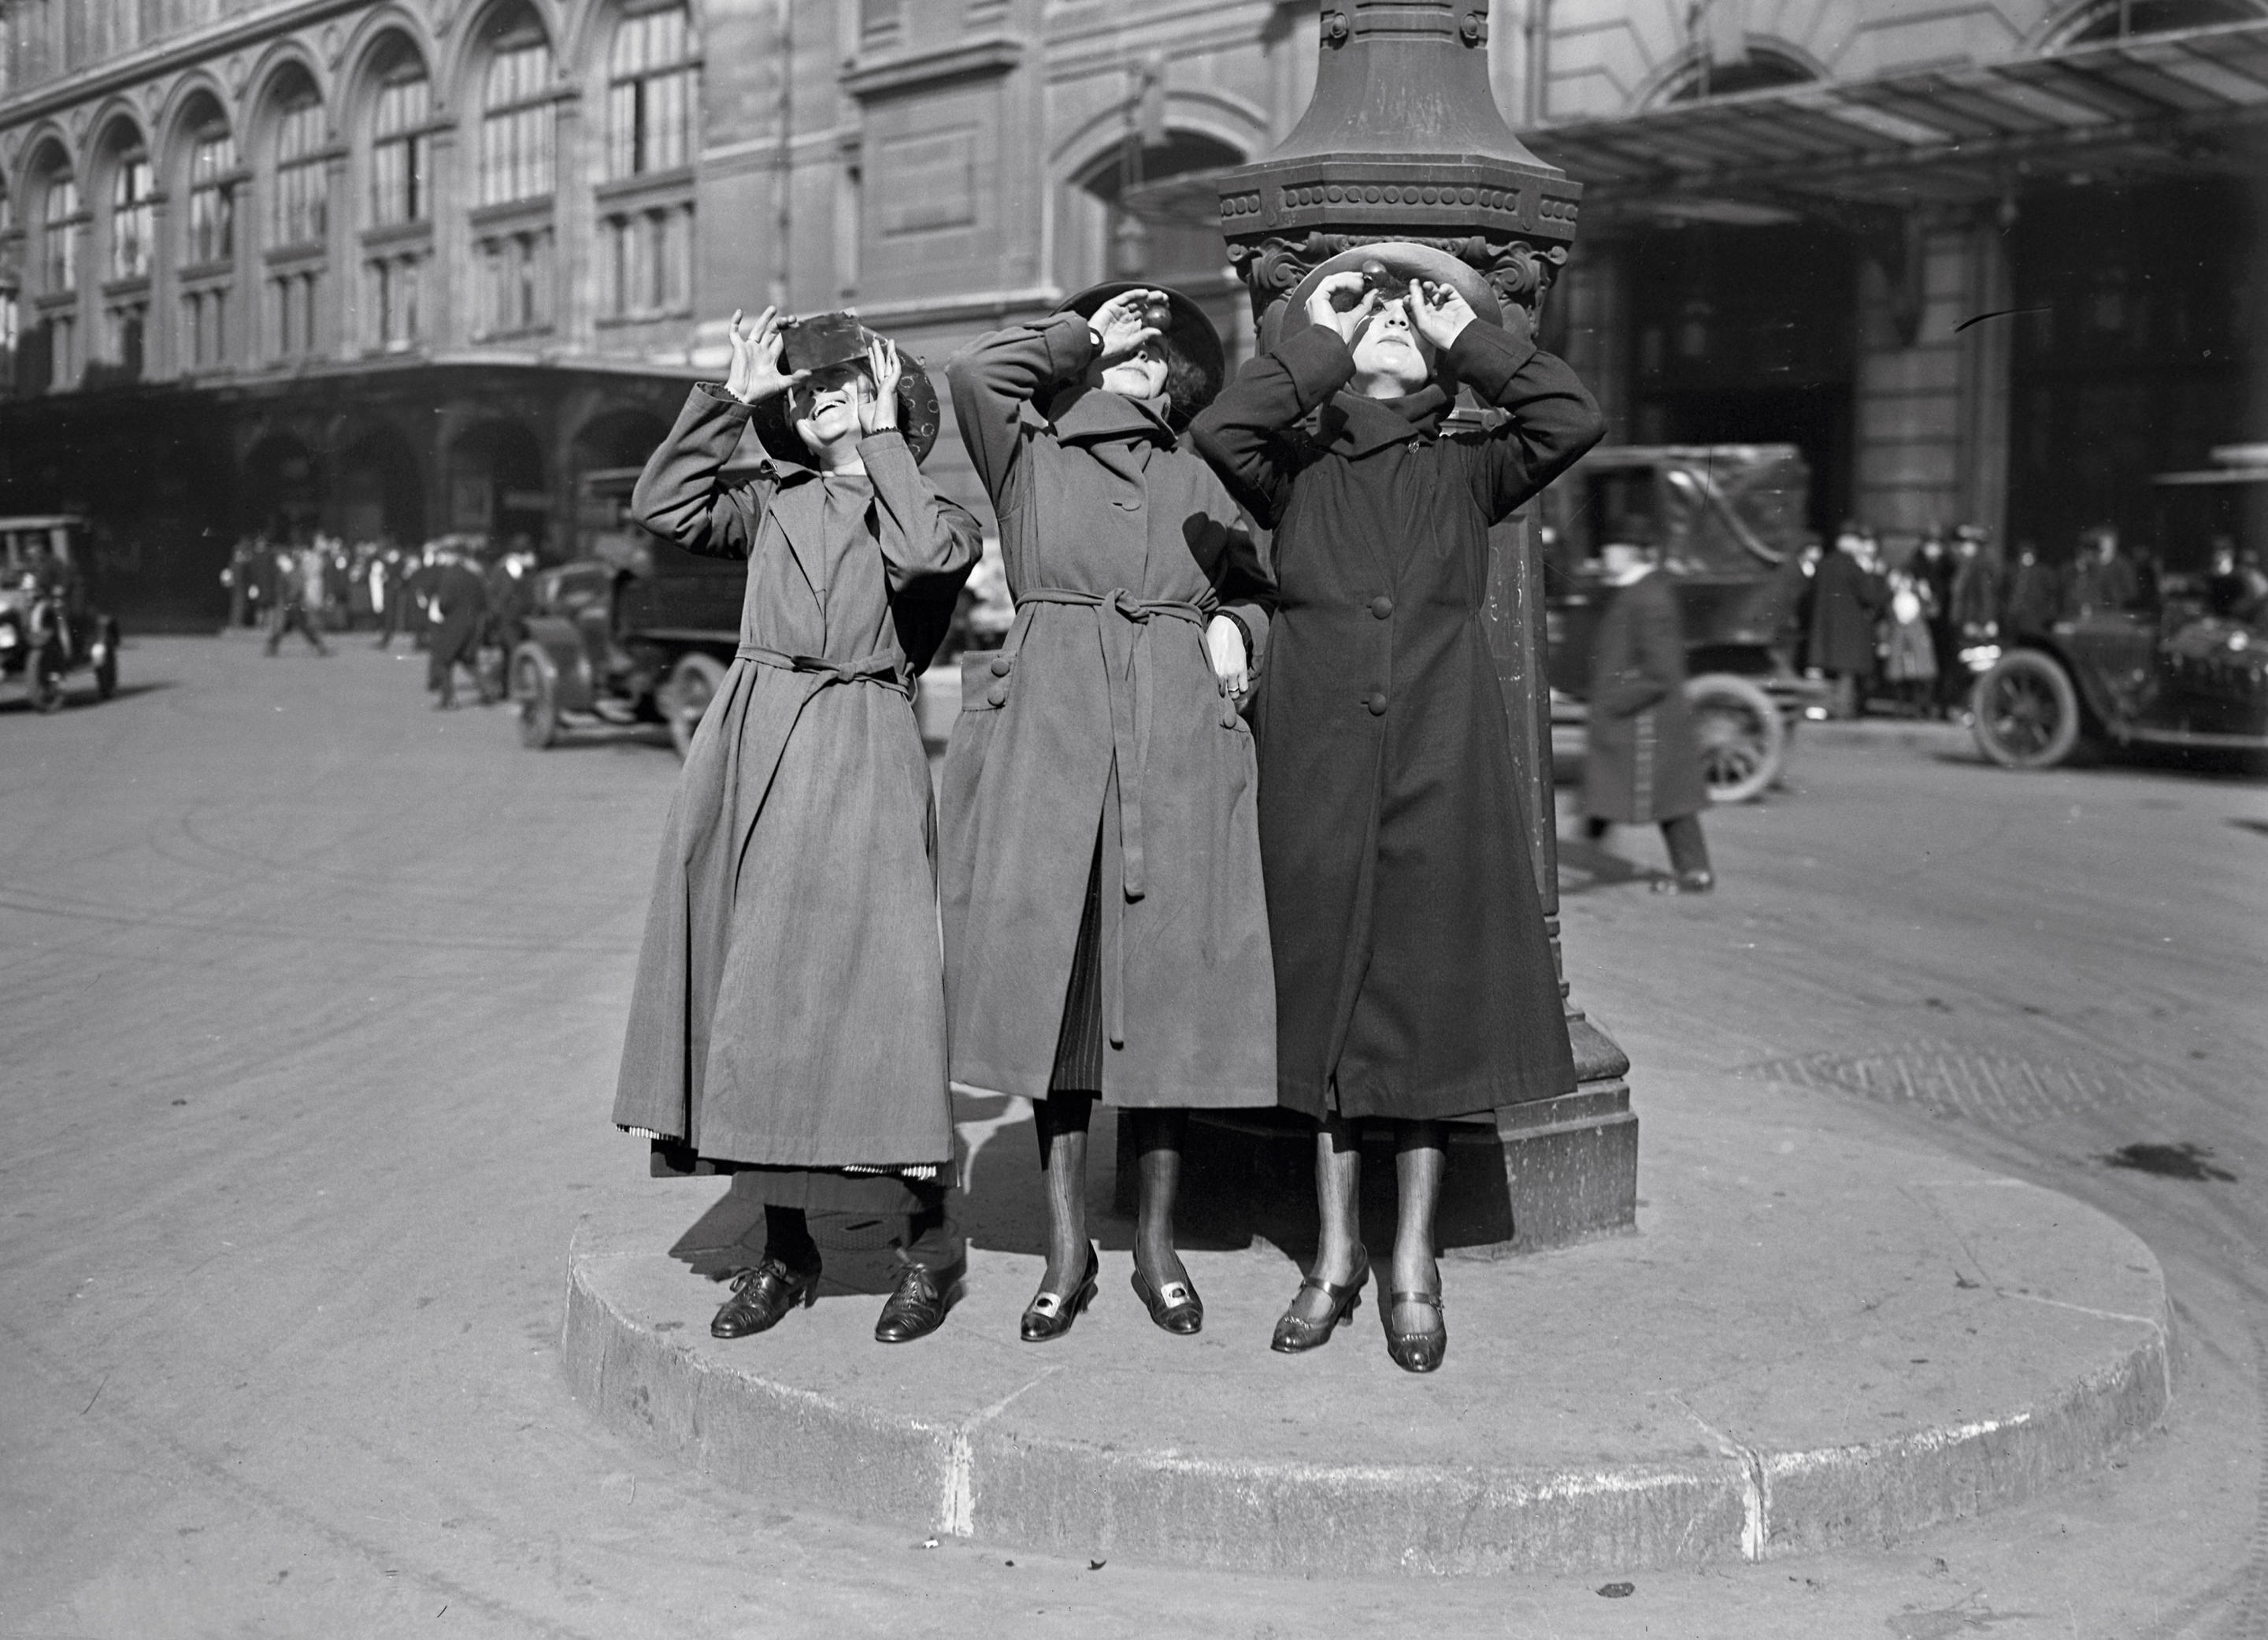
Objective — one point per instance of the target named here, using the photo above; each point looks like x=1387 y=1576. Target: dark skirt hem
x=813 y=1189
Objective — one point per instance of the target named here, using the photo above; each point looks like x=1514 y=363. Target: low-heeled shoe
x=1416 y=1352
x=761 y=1296
x=1294 y=1332
x=1049 y=1315
x=917 y=1306
x=1174 y=1306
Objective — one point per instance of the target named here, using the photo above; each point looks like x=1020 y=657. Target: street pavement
x=312 y=997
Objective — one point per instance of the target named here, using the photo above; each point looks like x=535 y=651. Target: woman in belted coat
x=1641 y=766
x=1413 y=980
x=788 y=1019
x=1106 y=934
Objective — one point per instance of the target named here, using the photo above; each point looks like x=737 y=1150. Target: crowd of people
x=1900 y=632
x=459 y=598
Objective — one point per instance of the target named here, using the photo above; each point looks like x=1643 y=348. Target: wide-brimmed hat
x=822 y=342
x=1403 y=262
x=1188 y=332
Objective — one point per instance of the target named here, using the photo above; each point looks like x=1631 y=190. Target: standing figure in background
x=300 y=590
x=1973 y=608
x=1414 y=977
x=1910 y=650
x=2102 y=578
x=1106 y=934
x=787 y=1023
x=1640 y=763
x=1940 y=565
x=456 y=611
x=1846 y=601
x=2034 y=599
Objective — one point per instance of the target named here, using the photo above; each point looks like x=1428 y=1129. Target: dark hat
x=1187 y=331
x=820 y=342
x=1403 y=262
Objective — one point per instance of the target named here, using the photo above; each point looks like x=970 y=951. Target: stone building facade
x=404 y=266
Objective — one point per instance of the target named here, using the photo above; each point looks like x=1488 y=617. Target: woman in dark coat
x=1846 y=603
x=1640 y=765
x=788 y=1019
x=1414 y=979
x=1105 y=932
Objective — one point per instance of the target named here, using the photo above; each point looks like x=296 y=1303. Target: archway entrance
x=283 y=496
x=381 y=493
x=605 y=453
x=496 y=484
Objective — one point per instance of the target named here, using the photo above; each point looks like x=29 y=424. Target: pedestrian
x=1846 y=601
x=2033 y=600
x=299 y=596
x=2102 y=580
x=457 y=611
x=1106 y=928
x=1939 y=564
x=1974 y=609
x=1641 y=766
x=1910 y=651
x=787 y=1023
x=1414 y=980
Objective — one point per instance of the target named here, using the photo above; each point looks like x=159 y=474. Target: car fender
x=2098 y=713
x=561 y=645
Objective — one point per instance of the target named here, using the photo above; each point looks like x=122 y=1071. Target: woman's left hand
x=1231 y=667
x=880 y=412
x=1440 y=312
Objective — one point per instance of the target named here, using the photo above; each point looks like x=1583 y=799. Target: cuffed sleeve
x=681 y=497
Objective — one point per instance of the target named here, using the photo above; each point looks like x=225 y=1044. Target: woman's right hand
x=755 y=373
x=1119 y=327
x=1323 y=310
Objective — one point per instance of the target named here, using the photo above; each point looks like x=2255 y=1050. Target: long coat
x=1845 y=603
x=789 y=1007
x=1414 y=977
x=460 y=606
x=1100 y=718
x=1640 y=765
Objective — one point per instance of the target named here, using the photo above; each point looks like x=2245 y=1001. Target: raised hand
x=755 y=374
x=879 y=409
x=1438 y=312
x=1362 y=301
x=1119 y=322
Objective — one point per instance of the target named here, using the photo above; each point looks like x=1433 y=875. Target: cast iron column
x=1403 y=141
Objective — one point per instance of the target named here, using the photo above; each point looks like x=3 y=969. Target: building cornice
x=180 y=51
x=973 y=59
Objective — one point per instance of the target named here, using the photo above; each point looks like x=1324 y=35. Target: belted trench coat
x=1414 y=977
x=1099 y=722
x=789 y=1009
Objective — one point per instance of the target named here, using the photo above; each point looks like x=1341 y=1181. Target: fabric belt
x=883 y=667
x=1124 y=622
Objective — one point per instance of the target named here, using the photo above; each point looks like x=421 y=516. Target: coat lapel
x=798 y=507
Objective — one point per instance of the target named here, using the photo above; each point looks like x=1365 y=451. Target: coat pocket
x=984 y=675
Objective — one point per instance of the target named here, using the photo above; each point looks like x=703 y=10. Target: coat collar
x=1084 y=415
x=799 y=506
x=1354 y=426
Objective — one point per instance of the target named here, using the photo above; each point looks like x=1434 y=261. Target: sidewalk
x=1814 y=1340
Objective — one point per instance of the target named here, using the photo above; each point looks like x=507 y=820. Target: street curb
x=983 y=1475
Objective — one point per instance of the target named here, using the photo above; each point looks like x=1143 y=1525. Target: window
x=645 y=263
x=2121 y=20
x=291 y=299
x=132 y=218
x=204 y=326
x=398 y=153
x=59 y=237
x=302 y=175
x=212 y=197
x=651 y=96
x=516 y=125
x=390 y=298
x=515 y=282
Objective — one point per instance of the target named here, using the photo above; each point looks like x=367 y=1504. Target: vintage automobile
x=2185 y=674
x=1729 y=520
x=635 y=630
x=48 y=628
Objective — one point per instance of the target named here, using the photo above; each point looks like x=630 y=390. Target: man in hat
x=1415 y=981
x=455 y=614
x=1640 y=765
x=1106 y=932
x=1847 y=600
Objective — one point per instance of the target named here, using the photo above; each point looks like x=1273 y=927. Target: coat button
x=997 y=694
x=1000 y=666
x=1381 y=606
x=1376 y=703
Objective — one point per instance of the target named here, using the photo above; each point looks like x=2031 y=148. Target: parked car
x=48 y=627
x=2184 y=674
x=1729 y=522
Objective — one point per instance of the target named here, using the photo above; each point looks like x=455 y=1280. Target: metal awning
x=2190 y=102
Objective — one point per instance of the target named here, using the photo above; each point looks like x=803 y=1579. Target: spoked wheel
x=537 y=693
x=693 y=683
x=1741 y=739
x=2026 y=711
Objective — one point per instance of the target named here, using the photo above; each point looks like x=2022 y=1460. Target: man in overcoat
x=1414 y=977
x=1845 y=603
x=1640 y=765
x=458 y=611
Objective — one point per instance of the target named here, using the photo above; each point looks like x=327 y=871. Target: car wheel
x=2025 y=712
x=1741 y=735
x=693 y=683
x=533 y=687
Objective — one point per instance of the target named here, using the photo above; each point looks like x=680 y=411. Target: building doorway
x=381 y=491
x=496 y=486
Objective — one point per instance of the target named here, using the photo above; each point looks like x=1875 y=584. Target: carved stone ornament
x=1519 y=273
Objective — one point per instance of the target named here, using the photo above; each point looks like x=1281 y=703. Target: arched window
x=2119 y=19
x=397 y=242
x=212 y=197
x=132 y=215
x=1761 y=69
x=398 y=150
x=59 y=235
x=518 y=121
x=651 y=93
x=302 y=174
